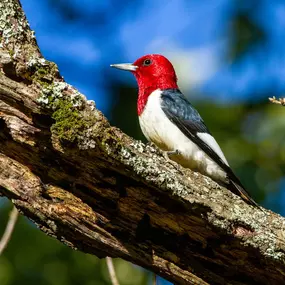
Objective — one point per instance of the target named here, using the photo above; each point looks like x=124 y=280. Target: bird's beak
x=125 y=66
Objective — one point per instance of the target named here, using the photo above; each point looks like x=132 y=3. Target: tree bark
x=97 y=190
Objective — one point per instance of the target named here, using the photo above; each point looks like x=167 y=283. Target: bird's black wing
x=180 y=112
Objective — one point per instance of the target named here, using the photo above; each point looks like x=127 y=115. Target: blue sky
x=193 y=34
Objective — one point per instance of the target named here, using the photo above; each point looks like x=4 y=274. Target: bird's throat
x=145 y=90
x=144 y=93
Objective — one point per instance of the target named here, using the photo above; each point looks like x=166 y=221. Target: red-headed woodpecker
x=169 y=120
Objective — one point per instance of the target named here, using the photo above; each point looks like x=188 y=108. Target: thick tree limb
x=97 y=190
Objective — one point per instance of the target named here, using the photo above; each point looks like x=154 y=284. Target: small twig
x=9 y=229
x=280 y=101
x=111 y=270
x=154 y=279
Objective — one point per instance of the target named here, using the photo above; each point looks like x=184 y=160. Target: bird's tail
x=237 y=188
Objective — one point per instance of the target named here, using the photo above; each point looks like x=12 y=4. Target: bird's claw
x=168 y=154
x=173 y=152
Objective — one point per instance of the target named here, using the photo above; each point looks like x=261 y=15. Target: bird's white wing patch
x=212 y=143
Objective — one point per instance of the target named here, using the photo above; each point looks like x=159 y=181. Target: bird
x=170 y=121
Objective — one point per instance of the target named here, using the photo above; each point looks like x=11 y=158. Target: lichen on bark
x=16 y=39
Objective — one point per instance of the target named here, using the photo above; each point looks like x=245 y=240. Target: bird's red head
x=155 y=70
x=152 y=72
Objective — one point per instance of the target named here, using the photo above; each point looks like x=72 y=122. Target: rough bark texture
x=97 y=190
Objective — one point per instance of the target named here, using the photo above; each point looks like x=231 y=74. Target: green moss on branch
x=71 y=111
x=69 y=123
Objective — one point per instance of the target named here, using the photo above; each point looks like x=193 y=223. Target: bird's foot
x=173 y=152
x=167 y=155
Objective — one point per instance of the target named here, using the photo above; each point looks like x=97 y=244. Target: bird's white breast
x=159 y=129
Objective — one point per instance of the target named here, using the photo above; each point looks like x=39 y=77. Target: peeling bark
x=97 y=190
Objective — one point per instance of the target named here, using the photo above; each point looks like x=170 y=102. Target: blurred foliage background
x=229 y=56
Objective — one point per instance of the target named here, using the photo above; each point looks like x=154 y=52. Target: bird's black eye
x=147 y=62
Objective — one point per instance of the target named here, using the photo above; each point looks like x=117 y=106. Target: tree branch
x=9 y=229
x=280 y=101
x=97 y=190
x=112 y=271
